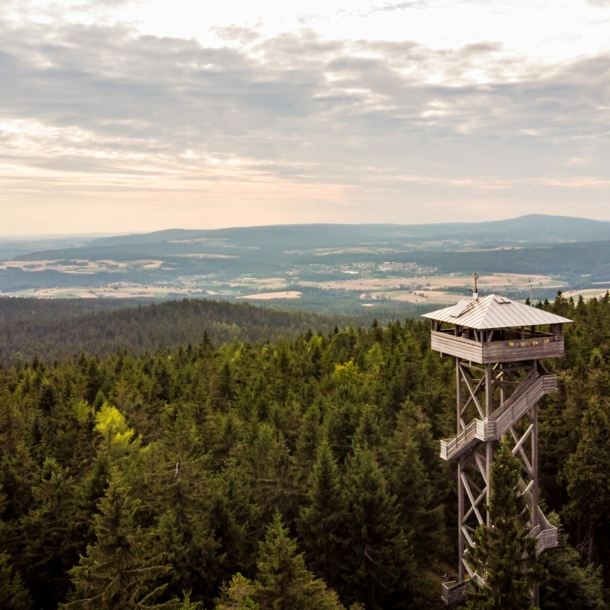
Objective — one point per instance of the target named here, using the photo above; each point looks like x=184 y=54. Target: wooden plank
x=457 y=346
x=514 y=351
x=497 y=351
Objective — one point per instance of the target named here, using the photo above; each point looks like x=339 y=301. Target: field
x=267 y=296
x=323 y=268
x=406 y=289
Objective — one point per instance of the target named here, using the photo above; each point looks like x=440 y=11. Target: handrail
x=545 y=532
x=493 y=427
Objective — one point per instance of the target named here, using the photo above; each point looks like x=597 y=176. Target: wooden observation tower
x=497 y=344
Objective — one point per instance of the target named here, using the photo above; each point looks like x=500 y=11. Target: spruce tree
x=237 y=595
x=570 y=585
x=118 y=573
x=13 y=595
x=504 y=554
x=410 y=483
x=368 y=434
x=308 y=441
x=588 y=478
x=175 y=489
x=283 y=582
x=49 y=550
x=321 y=522
x=378 y=564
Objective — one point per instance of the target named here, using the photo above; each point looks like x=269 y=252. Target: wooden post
x=458 y=385
x=489 y=444
x=536 y=591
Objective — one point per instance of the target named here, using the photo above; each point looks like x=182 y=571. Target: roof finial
x=475 y=291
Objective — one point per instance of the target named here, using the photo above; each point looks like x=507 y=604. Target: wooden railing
x=546 y=538
x=492 y=428
x=545 y=533
x=454 y=592
x=531 y=348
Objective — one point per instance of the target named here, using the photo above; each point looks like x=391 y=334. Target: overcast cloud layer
x=108 y=125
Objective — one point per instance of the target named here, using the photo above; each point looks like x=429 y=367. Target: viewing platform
x=495 y=329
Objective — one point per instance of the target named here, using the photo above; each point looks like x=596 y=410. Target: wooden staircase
x=546 y=534
x=493 y=428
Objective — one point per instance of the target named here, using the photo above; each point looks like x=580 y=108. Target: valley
x=322 y=268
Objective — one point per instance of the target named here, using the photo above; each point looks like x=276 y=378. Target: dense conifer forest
x=56 y=329
x=297 y=473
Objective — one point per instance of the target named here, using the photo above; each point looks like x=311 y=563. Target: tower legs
x=492 y=399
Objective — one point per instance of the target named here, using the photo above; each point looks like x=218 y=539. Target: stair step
x=494 y=427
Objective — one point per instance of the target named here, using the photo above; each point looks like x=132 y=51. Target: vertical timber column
x=488 y=444
x=534 y=416
x=458 y=385
x=536 y=591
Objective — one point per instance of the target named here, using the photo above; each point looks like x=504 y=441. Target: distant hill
x=58 y=329
x=530 y=228
x=525 y=230
x=14 y=246
x=236 y=263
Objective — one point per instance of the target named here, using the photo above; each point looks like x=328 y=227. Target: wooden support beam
x=473 y=484
x=473 y=398
x=480 y=462
x=526 y=463
x=523 y=439
x=466 y=532
x=477 y=502
x=471 y=498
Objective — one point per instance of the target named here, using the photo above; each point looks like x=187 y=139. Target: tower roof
x=494 y=311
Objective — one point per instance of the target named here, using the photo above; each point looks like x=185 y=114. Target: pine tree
x=283 y=582
x=569 y=585
x=588 y=478
x=49 y=549
x=321 y=522
x=378 y=564
x=117 y=572
x=504 y=554
x=13 y=595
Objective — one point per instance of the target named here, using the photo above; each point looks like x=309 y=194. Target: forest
x=53 y=329
x=297 y=472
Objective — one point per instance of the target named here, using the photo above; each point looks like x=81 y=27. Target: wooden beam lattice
x=473 y=399
x=486 y=389
x=466 y=482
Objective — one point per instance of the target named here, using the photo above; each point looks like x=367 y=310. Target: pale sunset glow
x=119 y=115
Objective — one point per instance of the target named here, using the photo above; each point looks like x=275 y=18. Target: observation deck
x=495 y=329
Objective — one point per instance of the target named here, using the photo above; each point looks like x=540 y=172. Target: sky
x=139 y=115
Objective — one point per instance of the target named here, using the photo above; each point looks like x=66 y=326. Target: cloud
x=90 y=109
x=235 y=33
x=400 y=6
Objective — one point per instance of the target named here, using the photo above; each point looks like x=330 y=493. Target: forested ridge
x=297 y=473
x=57 y=329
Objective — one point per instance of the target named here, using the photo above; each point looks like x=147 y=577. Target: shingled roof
x=494 y=311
